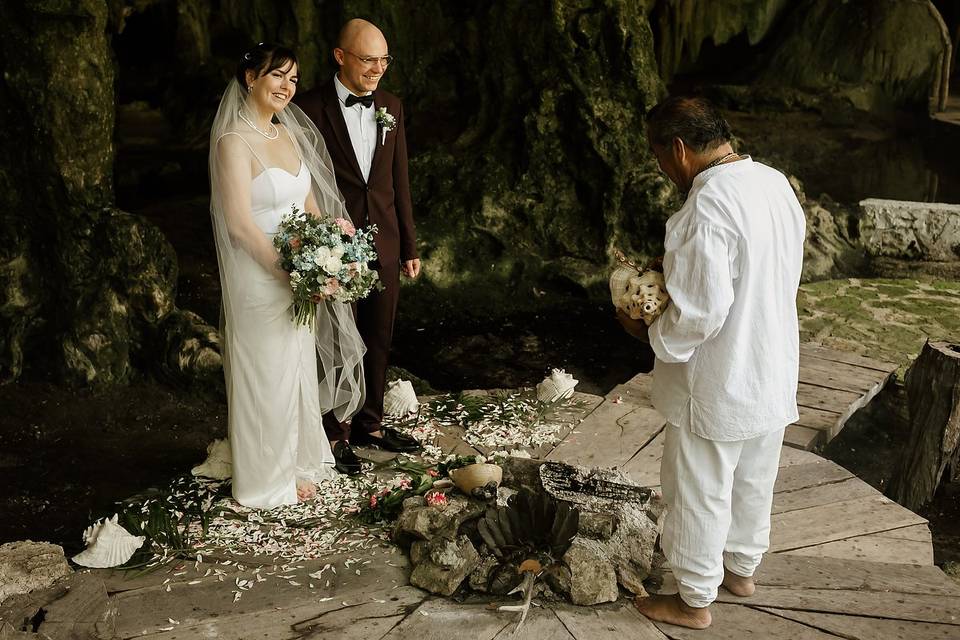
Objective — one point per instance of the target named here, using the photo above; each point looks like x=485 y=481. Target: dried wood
x=583 y=486
x=933 y=396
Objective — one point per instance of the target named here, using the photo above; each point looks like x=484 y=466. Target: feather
x=503 y=522
x=484 y=531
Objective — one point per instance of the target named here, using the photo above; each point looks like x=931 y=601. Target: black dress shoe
x=346 y=460
x=391 y=440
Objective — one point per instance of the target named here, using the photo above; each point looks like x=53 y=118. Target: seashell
x=473 y=476
x=642 y=296
x=219 y=462
x=558 y=385
x=108 y=545
x=442 y=484
x=400 y=398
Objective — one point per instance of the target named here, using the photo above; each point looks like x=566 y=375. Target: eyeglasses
x=371 y=60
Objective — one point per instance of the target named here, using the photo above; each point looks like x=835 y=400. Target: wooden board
x=847 y=357
x=876 y=547
x=147 y=609
x=605 y=439
x=818 y=419
x=790 y=456
x=636 y=390
x=731 y=622
x=861 y=628
x=850 y=489
x=644 y=467
x=839 y=375
x=837 y=521
x=441 y=619
x=879 y=604
x=369 y=619
x=780 y=570
x=541 y=623
x=826 y=399
x=617 y=622
x=803 y=437
x=811 y=474
x=572 y=413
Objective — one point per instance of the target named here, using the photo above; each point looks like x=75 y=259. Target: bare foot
x=306 y=490
x=738 y=585
x=673 y=610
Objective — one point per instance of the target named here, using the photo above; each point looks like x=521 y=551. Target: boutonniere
x=386 y=122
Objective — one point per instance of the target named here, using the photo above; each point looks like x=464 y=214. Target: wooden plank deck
x=845 y=561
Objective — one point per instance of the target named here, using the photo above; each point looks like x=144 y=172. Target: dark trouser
x=375 y=315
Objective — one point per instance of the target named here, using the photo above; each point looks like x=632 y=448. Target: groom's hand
x=411 y=268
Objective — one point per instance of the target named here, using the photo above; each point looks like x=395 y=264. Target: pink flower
x=346 y=226
x=353 y=268
x=294 y=243
x=405 y=483
x=436 y=499
x=433 y=473
x=333 y=285
x=373 y=502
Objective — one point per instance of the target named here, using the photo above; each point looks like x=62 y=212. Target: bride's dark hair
x=262 y=59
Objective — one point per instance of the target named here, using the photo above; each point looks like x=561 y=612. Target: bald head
x=357 y=32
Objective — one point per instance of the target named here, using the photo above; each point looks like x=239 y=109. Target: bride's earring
x=249 y=88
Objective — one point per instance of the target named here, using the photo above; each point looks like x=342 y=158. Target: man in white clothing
x=727 y=355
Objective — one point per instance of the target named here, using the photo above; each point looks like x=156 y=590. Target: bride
x=265 y=157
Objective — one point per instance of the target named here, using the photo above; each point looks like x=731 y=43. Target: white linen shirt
x=361 y=126
x=727 y=345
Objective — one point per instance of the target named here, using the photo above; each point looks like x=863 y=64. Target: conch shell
x=641 y=295
x=559 y=385
x=108 y=545
x=219 y=462
x=400 y=398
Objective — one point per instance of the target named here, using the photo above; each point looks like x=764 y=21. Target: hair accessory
x=247 y=56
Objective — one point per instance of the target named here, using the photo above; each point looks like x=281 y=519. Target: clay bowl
x=472 y=476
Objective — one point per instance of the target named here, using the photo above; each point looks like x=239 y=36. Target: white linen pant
x=718 y=497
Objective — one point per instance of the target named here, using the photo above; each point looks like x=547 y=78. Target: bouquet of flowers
x=327 y=258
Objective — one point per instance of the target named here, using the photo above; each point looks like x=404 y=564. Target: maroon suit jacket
x=384 y=200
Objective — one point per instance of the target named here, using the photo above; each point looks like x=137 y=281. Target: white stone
x=26 y=566
x=911 y=230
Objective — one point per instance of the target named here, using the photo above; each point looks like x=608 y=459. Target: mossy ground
x=884 y=319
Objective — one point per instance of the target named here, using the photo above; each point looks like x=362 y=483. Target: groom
x=363 y=130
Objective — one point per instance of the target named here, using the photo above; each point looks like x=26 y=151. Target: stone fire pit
x=552 y=530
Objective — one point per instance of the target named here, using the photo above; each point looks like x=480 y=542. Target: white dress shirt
x=361 y=126
x=727 y=346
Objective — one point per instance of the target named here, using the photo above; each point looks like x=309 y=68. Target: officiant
x=727 y=355
x=363 y=127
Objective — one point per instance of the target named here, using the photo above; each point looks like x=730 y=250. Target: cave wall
x=531 y=160
x=683 y=27
x=881 y=55
x=529 y=163
x=82 y=282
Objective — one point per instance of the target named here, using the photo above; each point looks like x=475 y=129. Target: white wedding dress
x=274 y=416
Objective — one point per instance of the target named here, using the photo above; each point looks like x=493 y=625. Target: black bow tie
x=366 y=101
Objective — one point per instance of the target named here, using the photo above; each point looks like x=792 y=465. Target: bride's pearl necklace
x=268 y=136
